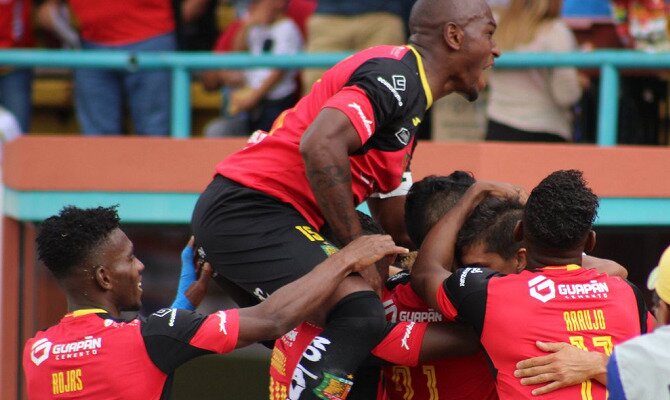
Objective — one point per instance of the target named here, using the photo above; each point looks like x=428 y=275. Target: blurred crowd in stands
x=549 y=105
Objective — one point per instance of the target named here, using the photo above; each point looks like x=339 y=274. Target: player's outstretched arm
x=436 y=255
x=291 y=304
x=566 y=365
x=603 y=265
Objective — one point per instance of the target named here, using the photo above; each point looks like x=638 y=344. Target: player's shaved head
x=429 y=16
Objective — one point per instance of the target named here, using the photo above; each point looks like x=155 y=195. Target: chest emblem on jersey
x=40 y=351
x=403 y=136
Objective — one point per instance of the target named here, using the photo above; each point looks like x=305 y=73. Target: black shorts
x=254 y=240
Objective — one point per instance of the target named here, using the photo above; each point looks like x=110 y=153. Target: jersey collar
x=422 y=75
x=86 y=311
x=569 y=267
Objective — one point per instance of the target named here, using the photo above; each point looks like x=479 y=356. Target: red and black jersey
x=90 y=355
x=401 y=345
x=384 y=93
x=458 y=378
x=553 y=304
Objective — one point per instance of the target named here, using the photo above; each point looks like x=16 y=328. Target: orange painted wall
x=166 y=165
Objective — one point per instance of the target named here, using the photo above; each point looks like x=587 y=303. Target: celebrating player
x=554 y=299
x=258 y=222
x=93 y=260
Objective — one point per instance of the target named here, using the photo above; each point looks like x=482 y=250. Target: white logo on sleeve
x=408 y=332
x=391 y=89
x=366 y=122
x=464 y=275
x=222 y=322
x=542 y=288
x=40 y=351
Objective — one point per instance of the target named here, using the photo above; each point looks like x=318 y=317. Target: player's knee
x=361 y=312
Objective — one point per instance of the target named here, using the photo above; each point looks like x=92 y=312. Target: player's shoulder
x=401 y=278
x=171 y=321
x=474 y=273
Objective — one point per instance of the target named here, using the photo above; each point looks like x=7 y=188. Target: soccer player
x=553 y=299
x=258 y=222
x=93 y=260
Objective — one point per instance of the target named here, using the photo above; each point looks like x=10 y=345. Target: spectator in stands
x=352 y=25
x=100 y=94
x=262 y=93
x=642 y=24
x=196 y=24
x=640 y=368
x=533 y=104
x=16 y=83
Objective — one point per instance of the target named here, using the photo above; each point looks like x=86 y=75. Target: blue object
x=15 y=95
x=187 y=277
x=586 y=8
x=614 y=385
x=101 y=93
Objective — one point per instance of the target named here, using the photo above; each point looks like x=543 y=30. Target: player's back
x=457 y=378
x=556 y=304
x=383 y=93
x=91 y=357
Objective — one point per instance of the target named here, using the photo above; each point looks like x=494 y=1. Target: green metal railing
x=610 y=62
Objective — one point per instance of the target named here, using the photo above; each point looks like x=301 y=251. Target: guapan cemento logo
x=542 y=288
x=40 y=351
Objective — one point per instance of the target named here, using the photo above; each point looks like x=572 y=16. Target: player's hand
x=503 y=190
x=567 y=365
x=198 y=289
x=367 y=250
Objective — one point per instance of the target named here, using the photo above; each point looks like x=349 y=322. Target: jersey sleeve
x=462 y=296
x=379 y=92
x=402 y=345
x=173 y=336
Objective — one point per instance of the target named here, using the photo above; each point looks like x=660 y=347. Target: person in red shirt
x=554 y=299
x=100 y=94
x=16 y=83
x=407 y=341
x=352 y=136
x=92 y=259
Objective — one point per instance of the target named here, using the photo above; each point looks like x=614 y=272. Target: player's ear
x=102 y=277
x=521 y=259
x=590 y=243
x=453 y=36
